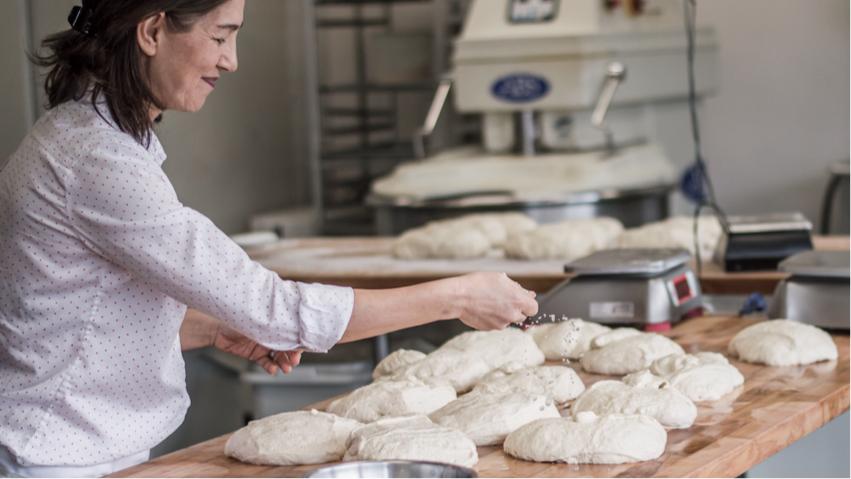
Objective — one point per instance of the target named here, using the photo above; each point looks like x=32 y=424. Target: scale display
x=532 y=11
x=681 y=288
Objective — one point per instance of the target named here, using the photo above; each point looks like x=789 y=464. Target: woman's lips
x=210 y=81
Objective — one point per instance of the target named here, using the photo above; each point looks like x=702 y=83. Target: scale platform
x=647 y=288
x=761 y=242
x=817 y=290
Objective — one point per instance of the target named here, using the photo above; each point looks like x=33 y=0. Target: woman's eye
x=220 y=41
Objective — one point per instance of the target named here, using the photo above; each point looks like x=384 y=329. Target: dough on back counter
x=782 y=342
x=411 y=438
x=661 y=402
x=391 y=398
x=628 y=355
x=466 y=237
x=487 y=418
x=292 y=438
x=566 y=339
x=701 y=376
x=676 y=232
x=566 y=240
x=589 y=439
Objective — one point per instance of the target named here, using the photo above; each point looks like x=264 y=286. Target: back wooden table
x=774 y=408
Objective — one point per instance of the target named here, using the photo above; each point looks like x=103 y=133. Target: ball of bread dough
x=559 y=383
x=782 y=342
x=665 y=404
x=566 y=339
x=395 y=361
x=702 y=376
x=411 y=438
x=628 y=355
x=292 y=438
x=391 y=398
x=589 y=439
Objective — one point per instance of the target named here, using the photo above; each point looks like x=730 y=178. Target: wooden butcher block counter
x=775 y=407
x=368 y=263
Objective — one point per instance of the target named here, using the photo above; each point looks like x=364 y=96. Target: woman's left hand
x=233 y=342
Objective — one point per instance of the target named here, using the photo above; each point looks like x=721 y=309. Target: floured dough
x=470 y=236
x=465 y=359
x=390 y=398
x=614 y=335
x=665 y=404
x=782 y=342
x=560 y=383
x=701 y=377
x=395 y=361
x=566 y=240
x=628 y=355
x=488 y=418
x=292 y=438
x=565 y=339
x=412 y=438
x=676 y=232
x=589 y=439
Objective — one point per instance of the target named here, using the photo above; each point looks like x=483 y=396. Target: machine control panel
x=532 y=11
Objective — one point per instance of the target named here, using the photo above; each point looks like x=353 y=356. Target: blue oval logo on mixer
x=520 y=88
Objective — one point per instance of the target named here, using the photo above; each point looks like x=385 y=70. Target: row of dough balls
x=632 y=413
x=518 y=236
x=413 y=411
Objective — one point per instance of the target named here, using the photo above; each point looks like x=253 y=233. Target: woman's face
x=186 y=65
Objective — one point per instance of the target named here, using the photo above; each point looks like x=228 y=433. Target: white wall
x=782 y=114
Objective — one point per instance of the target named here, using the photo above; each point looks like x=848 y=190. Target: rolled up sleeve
x=124 y=208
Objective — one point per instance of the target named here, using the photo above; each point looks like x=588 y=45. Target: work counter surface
x=367 y=262
x=774 y=408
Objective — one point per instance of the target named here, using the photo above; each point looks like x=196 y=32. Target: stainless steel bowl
x=392 y=469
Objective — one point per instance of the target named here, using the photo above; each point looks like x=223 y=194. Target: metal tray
x=818 y=264
x=631 y=261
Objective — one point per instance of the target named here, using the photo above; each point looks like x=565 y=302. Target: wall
x=782 y=113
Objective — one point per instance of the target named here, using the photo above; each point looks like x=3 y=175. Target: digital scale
x=646 y=288
x=761 y=242
x=817 y=290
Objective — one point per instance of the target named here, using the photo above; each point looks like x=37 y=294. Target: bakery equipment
x=760 y=242
x=558 y=79
x=392 y=469
x=648 y=288
x=817 y=290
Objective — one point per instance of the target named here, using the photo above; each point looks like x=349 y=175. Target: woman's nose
x=228 y=62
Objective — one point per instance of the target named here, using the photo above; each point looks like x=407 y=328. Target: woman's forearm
x=198 y=330
x=384 y=310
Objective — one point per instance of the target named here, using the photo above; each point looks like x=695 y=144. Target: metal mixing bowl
x=392 y=469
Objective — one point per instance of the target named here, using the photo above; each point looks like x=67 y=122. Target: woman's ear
x=149 y=33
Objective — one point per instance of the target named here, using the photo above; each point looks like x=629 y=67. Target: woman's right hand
x=493 y=301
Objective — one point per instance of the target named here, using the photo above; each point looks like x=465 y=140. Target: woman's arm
x=200 y=330
x=480 y=300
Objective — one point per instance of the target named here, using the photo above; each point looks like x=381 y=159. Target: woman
x=100 y=260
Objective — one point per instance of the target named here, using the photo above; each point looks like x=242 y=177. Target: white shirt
x=98 y=260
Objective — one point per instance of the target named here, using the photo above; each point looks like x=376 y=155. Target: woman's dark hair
x=108 y=61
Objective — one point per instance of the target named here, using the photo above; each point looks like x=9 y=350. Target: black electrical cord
x=690 y=14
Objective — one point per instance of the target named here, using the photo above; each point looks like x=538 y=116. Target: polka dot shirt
x=98 y=262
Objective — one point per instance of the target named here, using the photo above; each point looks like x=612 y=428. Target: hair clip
x=80 y=19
